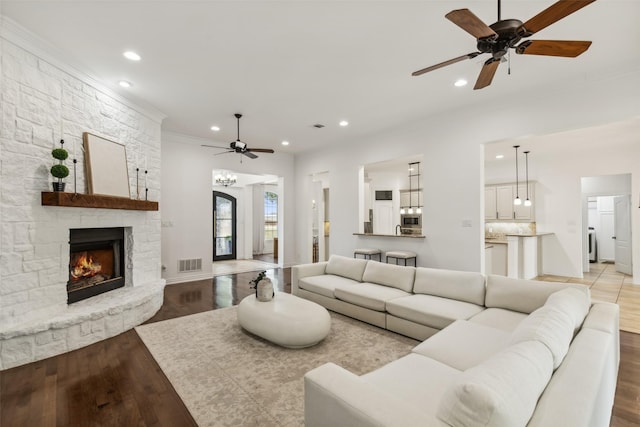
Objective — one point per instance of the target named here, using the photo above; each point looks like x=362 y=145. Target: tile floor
x=608 y=285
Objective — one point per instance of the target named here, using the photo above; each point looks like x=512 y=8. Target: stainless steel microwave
x=411 y=220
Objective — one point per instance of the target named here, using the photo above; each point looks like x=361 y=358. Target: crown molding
x=16 y=34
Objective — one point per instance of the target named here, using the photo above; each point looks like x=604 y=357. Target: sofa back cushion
x=521 y=295
x=573 y=302
x=395 y=276
x=550 y=326
x=459 y=285
x=502 y=391
x=351 y=268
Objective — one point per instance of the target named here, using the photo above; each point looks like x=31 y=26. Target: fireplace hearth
x=96 y=262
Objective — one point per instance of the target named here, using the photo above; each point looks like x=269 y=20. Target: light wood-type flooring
x=608 y=285
x=116 y=382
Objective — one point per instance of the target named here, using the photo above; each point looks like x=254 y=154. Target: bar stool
x=367 y=253
x=405 y=255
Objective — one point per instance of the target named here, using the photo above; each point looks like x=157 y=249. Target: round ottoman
x=286 y=320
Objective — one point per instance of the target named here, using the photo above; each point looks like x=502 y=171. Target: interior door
x=622 y=225
x=224 y=226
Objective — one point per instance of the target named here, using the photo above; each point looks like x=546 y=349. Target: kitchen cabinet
x=504 y=203
x=490 y=202
x=499 y=259
x=411 y=198
x=498 y=202
x=524 y=212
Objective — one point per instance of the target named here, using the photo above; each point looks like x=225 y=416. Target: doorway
x=224 y=226
x=608 y=221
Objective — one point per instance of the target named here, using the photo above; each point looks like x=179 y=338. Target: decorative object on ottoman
x=263 y=287
x=286 y=320
x=59 y=171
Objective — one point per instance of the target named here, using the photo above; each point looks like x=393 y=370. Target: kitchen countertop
x=410 y=236
x=503 y=240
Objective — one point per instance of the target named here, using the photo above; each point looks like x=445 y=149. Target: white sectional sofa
x=495 y=351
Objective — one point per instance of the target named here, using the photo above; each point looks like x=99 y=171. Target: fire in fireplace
x=96 y=262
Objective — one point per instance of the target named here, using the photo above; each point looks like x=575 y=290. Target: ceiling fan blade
x=249 y=154
x=553 y=14
x=565 y=48
x=486 y=74
x=224 y=152
x=469 y=22
x=261 y=150
x=214 y=146
x=445 y=63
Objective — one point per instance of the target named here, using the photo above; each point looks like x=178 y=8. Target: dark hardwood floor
x=118 y=383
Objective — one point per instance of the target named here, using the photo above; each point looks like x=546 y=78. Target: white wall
x=454 y=169
x=187 y=202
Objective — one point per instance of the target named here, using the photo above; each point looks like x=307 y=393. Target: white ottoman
x=286 y=320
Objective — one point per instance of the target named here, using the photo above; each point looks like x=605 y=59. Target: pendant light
x=527 y=202
x=517 y=201
x=419 y=208
x=410 y=211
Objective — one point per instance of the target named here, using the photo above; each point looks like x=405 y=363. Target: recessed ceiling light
x=499 y=156
x=125 y=83
x=131 y=55
x=285 y=142
x=344 y=123
x=460 y=83
x=215 y=128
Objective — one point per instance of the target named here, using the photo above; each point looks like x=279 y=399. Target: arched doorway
x=224 y=226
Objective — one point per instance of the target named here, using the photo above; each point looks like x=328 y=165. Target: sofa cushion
x=432 y=311
x=414 y=379
x=325 y=284
x=573 y=302
x=521 y=295
x=502 y=391
x=368 y=295
x=499 y=318
x=395 y=276
x=550 y=326
x=351 y=268
x=463 y=344
x=458 y=285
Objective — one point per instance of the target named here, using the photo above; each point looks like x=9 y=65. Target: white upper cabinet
x=411 y=198
x=490 y=202
x=498 y=202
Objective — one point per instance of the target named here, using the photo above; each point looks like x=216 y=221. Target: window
x=270 y=215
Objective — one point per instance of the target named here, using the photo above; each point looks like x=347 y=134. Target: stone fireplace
x=48 y=307
x=96 y=262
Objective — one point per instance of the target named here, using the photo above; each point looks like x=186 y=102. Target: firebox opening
x=96 y=262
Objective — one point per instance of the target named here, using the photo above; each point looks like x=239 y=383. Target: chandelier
x=226 y=179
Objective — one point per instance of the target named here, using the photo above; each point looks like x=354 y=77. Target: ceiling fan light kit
x=240 y=147
x=496 y=39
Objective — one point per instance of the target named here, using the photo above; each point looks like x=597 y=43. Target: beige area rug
x=227 y=377
x=222 y=268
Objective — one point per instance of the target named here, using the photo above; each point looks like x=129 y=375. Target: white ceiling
x=287 y=65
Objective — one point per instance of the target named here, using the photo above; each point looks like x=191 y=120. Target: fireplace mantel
x=77 y=200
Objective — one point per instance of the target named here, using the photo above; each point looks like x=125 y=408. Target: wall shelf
x=77 y=200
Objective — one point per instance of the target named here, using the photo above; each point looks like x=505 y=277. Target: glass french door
x=224 y=226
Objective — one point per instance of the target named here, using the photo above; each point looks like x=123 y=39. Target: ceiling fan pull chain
x=509 y=63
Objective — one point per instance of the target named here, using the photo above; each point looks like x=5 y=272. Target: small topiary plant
x=59 y=171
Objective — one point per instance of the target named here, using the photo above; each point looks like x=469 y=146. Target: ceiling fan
x=240 y=147
x=497 y=38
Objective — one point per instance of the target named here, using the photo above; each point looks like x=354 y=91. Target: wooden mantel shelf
x=77 y=200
